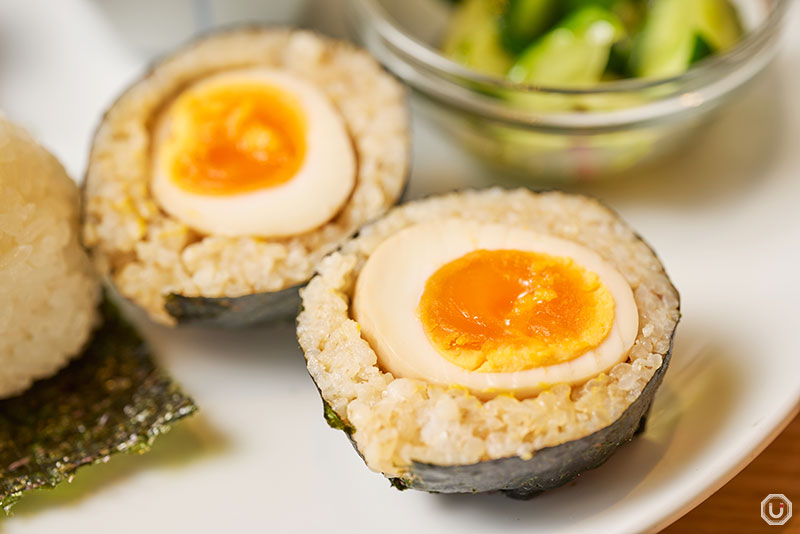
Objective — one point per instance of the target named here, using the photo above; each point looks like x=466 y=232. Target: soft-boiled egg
x=252 y=152
x=493 y=308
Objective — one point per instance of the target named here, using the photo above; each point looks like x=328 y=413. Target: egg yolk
x=512 y=310
x=234 y=138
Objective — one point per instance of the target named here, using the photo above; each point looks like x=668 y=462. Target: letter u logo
x=774 y=515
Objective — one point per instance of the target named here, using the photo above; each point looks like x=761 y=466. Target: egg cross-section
x=493 y=308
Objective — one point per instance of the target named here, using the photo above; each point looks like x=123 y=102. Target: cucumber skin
x=473 y=38
x=660 y=53
x=718 y=23
x=488 y=45
x=540 y=15
x=530 y=66
x=701 y=50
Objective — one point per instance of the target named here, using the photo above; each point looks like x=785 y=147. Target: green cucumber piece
x=618 y=61
x=522 y=21
x=473 y=38
x=630 y=12
x=701 y=50
x=574 y=53
x=718 y=23
x=574 y=5
x=676 y=32
x=665 y=45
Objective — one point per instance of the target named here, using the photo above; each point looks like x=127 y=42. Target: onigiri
x=48 y=289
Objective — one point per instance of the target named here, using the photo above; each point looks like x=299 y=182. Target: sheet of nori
x=111 y=399
x=234 y=312
x=244 y=311
x=520 y=478
x=550 y=467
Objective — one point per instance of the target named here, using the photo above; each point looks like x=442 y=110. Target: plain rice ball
x=48 y=289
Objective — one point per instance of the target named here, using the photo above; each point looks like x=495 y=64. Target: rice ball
x=48 y=290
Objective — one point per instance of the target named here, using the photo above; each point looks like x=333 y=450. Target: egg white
x=315 y=194
x=391 y=283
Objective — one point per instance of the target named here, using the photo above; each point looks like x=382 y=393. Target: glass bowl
x=548 y=134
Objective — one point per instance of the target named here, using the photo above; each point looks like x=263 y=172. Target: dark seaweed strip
x=334 y=421
x=111 y=399
x=550 y=467
x=234 y=312
x=247 y=310
x=547 y=469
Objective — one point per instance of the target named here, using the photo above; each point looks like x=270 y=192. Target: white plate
x=722 y=215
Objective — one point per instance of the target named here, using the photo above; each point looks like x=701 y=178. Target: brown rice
x=147 y=253
x=398 y=420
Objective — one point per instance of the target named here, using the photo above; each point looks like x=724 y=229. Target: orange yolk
x=235 y=138
x=511 y=310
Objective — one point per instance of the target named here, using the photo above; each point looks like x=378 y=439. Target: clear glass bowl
x=548 y=134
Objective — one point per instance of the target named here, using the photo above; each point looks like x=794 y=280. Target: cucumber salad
x=574 y=43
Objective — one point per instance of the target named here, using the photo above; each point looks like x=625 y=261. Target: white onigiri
x=48 y=290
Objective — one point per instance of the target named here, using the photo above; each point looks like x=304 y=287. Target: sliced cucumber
x=574 y=53
x=473 y=38
x=664 y=47
x=676 y=32
x=701 y=50
x=630 y=12
x=523 y=21
x=718 y=23
x=618 y=61
x=573 y=5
